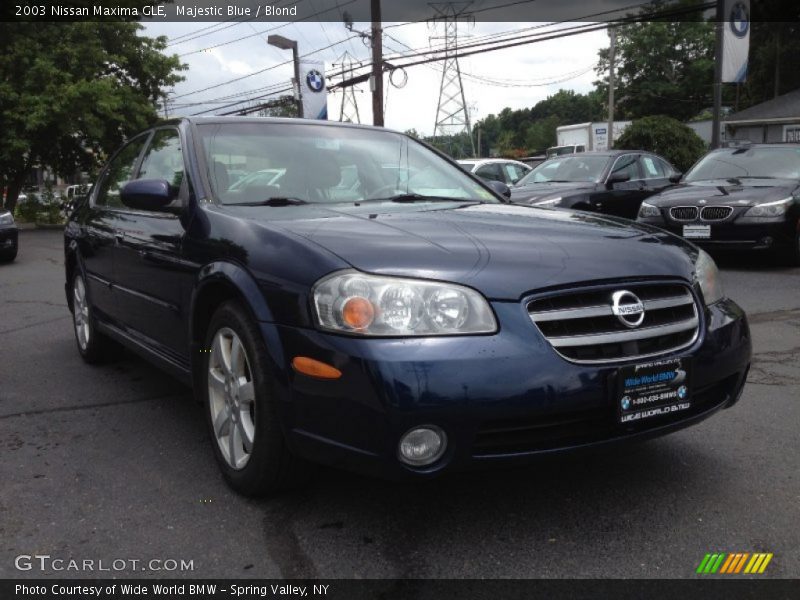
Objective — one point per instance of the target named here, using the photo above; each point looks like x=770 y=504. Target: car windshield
x=567 y=169
x=307 y=163
x=755 y=162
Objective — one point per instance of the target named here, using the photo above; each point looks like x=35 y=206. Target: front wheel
x=93 y=346
x=7 y=256
x=241 y=407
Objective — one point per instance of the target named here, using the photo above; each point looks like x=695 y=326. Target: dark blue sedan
x=375 y=307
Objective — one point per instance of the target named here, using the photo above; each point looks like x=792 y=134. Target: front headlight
x=770 y=210
x=548 y=202
x=707 y=275
x=648 y=211
x=372 y=305
x=7 y=219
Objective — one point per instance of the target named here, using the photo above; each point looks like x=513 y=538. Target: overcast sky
x=520 y=76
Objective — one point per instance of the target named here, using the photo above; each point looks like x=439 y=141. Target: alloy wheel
x=80 y=313
x=231 y=398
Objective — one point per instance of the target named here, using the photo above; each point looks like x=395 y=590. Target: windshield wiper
x=274 y=201
x=420 y=198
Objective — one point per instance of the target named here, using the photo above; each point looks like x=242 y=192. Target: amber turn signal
x=315 y=368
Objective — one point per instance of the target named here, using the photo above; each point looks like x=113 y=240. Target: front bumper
x=732 y=235
x=9 y=237
x=506 y=397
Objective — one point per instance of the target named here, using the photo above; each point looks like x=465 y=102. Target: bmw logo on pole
x=739 y=19
x=315 y=81
x=625 y=402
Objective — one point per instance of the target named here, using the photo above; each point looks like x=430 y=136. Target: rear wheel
x=241 y=407
x=93 y=346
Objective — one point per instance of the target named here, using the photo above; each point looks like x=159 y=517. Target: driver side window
x=626 y=165
x=119 y=172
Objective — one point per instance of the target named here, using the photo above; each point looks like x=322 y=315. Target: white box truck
x=584 y=136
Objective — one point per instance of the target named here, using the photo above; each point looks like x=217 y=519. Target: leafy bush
x=668 y=137
x=27 y=209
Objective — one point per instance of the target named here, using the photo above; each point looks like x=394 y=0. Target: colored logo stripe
x=734 y=563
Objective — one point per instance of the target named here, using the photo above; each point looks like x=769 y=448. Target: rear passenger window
x=653 y=168
x=119 y=172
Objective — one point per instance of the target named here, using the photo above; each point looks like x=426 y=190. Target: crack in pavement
x=14 y=330
x=44 y=411
x=45 y=302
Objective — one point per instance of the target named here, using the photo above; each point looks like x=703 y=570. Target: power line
x=270 y=68
x=245 y=37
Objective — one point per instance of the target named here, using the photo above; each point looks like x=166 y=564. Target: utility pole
x=612 y=49
x=715 y=125
x=376 y=81
x=478 y=155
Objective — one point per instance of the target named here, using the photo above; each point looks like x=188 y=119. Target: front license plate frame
x=697 y=232
x=654 y=389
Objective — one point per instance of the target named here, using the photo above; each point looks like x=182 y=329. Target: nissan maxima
x=379 y=309
x=744 y=197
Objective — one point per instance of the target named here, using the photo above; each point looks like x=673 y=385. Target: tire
x=8 y=256
x=792 y=257
x=242 y=409
x=93 y=346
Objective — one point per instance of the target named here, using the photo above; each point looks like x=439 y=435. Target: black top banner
x=360 y=11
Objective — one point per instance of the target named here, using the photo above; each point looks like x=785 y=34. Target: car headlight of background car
x=707 y=276
x=548 y=202
x=648 y=211
x=371 y=305
x=6 y=219
x=769 y=210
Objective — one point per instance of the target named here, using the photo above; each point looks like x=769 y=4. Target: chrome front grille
x=683 y=213
x=715 y=213
x=582 y=327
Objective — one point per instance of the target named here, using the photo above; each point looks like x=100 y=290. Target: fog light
x=422 y=445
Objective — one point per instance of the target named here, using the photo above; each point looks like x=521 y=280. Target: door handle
x=118 y=235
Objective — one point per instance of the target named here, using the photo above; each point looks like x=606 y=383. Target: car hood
x=504 y=251
x=721 y=191
x=541 y=191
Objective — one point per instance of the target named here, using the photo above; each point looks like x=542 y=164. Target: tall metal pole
x=296 y=60
x=377 y=63
x=612 y=33
x=715 y=124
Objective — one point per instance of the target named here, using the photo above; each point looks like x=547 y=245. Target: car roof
x=212 y=120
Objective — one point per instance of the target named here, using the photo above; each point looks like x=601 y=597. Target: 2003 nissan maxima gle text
x=377 y=308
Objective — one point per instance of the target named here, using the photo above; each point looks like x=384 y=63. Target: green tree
x=662 y=68
x=72 y=92
x=668 y=137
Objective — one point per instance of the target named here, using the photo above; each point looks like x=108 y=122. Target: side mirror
x=147 y=194
x=499 y=187
x=675 y=178
x=617 y=178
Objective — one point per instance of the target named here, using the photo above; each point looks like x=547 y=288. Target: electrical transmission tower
x=452 y=117
x=348 y=112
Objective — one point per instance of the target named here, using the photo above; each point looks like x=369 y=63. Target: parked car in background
x=503 y=170
x=554 y=151
x=9 y=236
x=612 y=183
x=741 y=197
x=407 y=326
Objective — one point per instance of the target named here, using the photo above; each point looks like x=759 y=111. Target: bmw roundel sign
x=315 y=81
x=739 y=19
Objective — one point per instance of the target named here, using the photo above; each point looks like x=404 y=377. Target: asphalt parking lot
x=114 y=462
